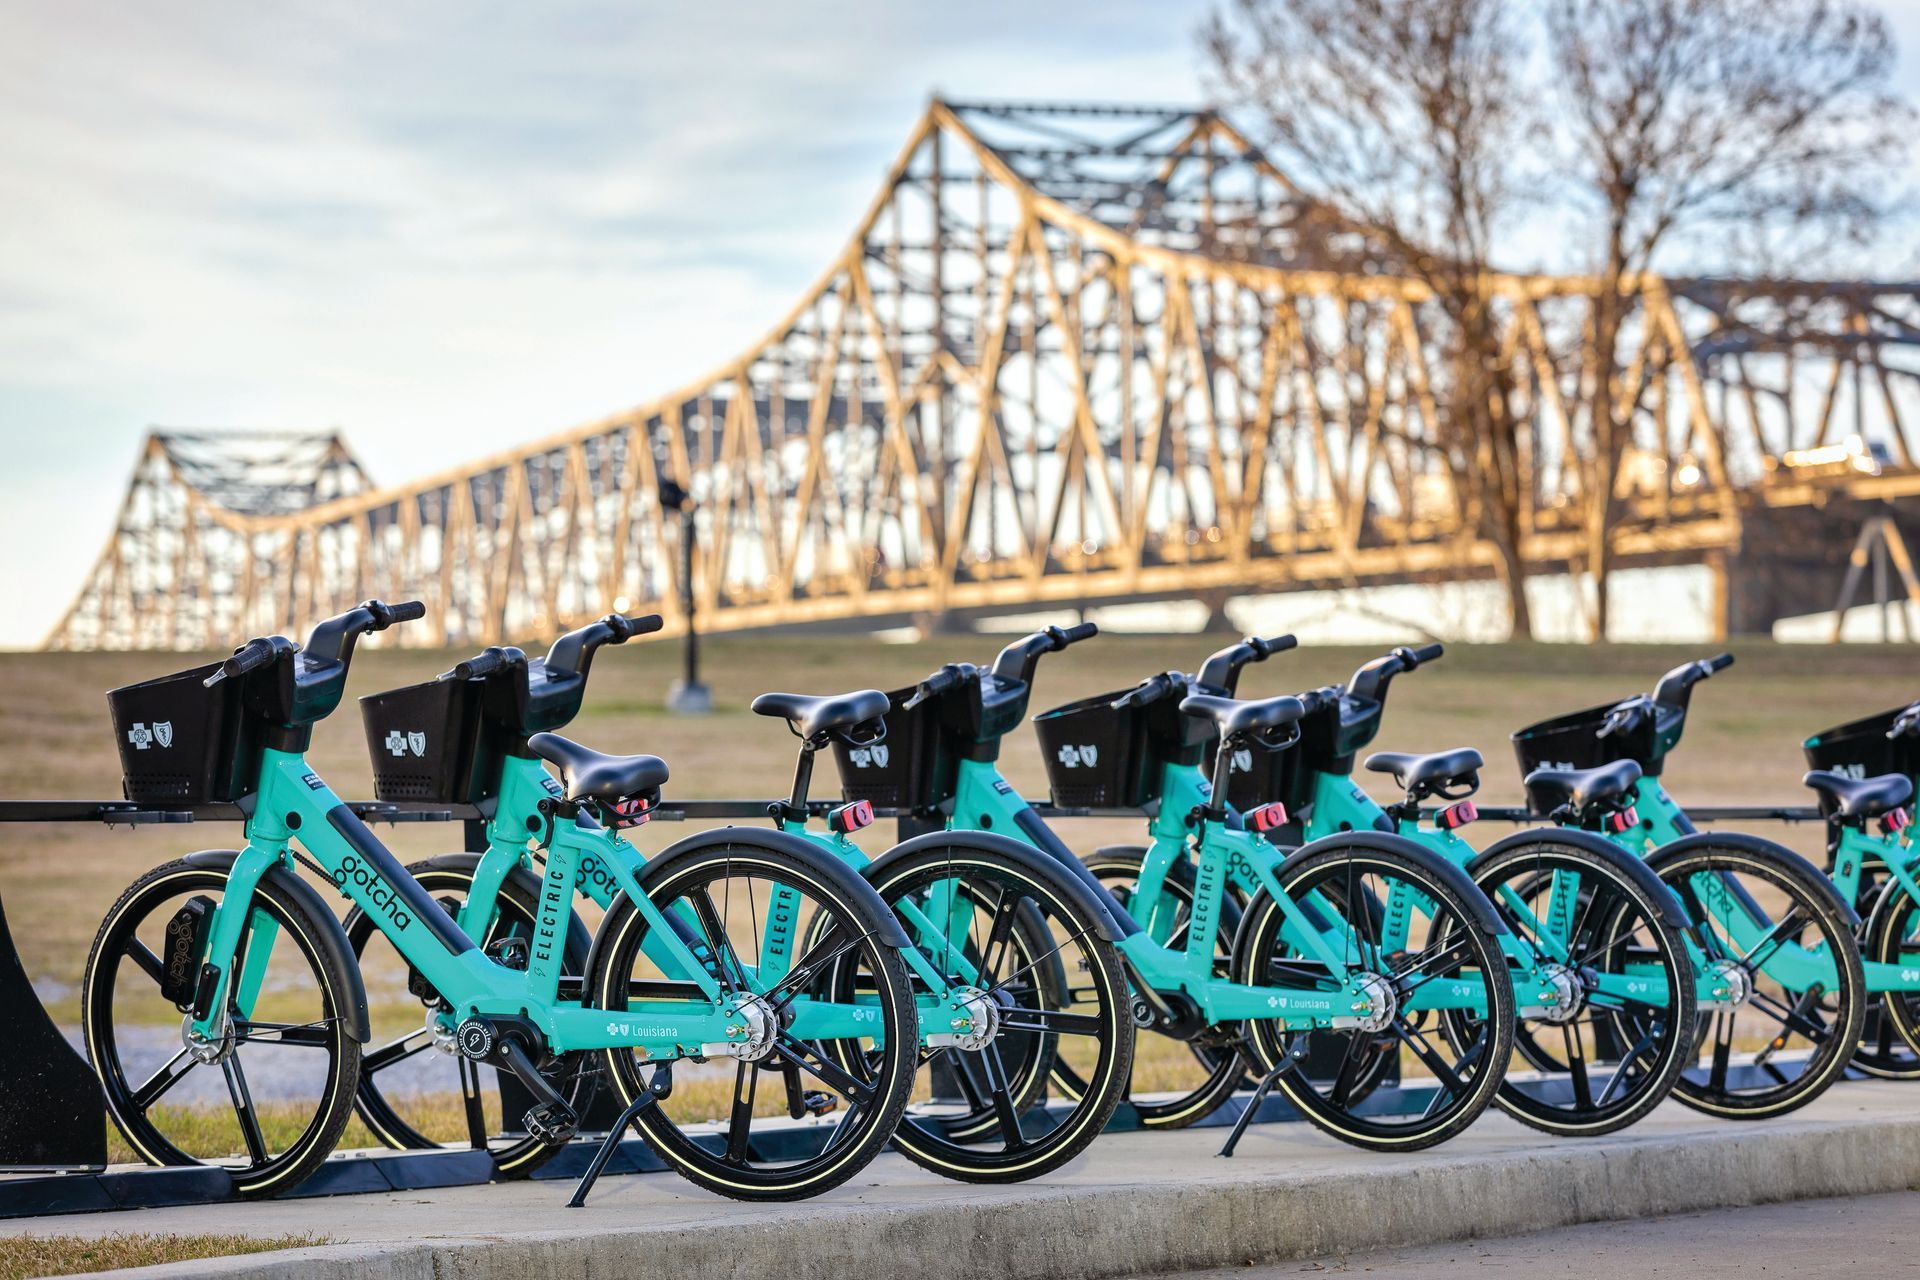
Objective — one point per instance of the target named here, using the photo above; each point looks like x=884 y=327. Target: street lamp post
x=686 y=695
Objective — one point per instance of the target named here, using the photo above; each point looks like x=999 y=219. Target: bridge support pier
x=1790 y=562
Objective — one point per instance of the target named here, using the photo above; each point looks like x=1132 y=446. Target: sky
x=447 y=228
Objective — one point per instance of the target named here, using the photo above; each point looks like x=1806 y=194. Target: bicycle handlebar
x=947 y=677
x=1372 y=679
x=1149 y=690
x=1907 y=723
x=331 y=641
x=572 y=653
x=1222 y=670
x=1676 y=687
x=1017 y=660
x=486 y=662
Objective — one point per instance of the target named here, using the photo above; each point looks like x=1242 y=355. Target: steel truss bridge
x=1071 y=354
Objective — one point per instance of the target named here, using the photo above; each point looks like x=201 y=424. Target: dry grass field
x=1742 y=744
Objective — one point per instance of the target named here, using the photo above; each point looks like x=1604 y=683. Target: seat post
x=802 y=780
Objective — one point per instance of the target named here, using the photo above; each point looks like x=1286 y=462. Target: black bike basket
x=1099 y=755
x=1862 y=749
x=183 y=743
x=430 y=742
x=914 y=768
x=1260 y=775
x=1570 y=742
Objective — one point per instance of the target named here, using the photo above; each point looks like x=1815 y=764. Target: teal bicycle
x=1317 y=962
x=1785 y=994
x=1576 y=993
x=997 y=930
x=1864 y=772
x=240 y=954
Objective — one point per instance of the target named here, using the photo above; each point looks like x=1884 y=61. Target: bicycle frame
x=294 y=804
x=984 y=800
x=605 y=865
x=1340 y=805
x=1662 y=820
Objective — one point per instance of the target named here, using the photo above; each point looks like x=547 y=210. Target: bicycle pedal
x=551 y=1123
x=819 y=1103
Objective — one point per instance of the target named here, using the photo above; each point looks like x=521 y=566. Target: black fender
x=839 y=874
x=1673 y=912
x=1667 y=853
x=1484 y=916
x=579 y=940
x=332 y=939
x=1041 y=866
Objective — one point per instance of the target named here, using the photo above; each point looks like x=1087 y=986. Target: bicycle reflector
x=630 y=813
x=1894 y=821
x=1455 y=816
x=1267 y=817
x=1621 y=819
x=849 y=818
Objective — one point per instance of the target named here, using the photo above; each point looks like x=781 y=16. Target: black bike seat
x=1235 y=715
x=1861 y=797
x=590 y=775
x=1548 y=789
x=1442 y=768
x=815 y=715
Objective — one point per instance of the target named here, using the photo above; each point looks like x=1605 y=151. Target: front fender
x=1485 y=918
x=1673 y=913
x=332 y=939
x=1791 y=862
x=843 y=877
x=1041 y=866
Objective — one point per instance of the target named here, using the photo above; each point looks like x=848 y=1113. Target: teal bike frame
x=603 y=865
x=1223 y=854
x=294 y=804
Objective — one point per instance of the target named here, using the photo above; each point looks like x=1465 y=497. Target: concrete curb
x=1246 y=1211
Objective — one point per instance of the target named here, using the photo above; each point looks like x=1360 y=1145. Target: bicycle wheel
x=1610 y=1048
x=1176 y=1081
x=1444 y=1086
x=711 y=1121
x=182 y=1101
x=1772 y=933
x=416 y=1091
x=1892 y=937
x=1050 y=990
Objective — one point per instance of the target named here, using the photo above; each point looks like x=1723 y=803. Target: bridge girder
x=1069 y=353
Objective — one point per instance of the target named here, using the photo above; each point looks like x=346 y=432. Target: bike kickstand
x=1293 y=1059
x=598 y=1164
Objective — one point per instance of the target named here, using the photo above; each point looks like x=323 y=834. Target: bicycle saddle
x=1861 y=797
x=816 y=715
x=589 y=775
x=1444 y=768
x=1548 y=789
x=1235 y=716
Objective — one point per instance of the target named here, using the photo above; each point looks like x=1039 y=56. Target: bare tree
x=1405 y=117
x=1755 y=115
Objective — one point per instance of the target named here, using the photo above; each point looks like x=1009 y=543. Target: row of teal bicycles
x=771 y=1004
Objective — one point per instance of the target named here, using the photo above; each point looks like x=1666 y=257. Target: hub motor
x=1566 y=986
x=751 y=1027
x=974 y=1025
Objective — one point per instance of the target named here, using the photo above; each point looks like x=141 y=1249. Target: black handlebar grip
x=628 y=628
x=1428 y=652
x=1075 y=634
x=1720 y=663
x=406 y=611
x=252 y=654
x=486 y=662
x=1279 y=644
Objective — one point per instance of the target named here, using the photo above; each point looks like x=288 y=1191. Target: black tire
x=1334 y=872
x=1892 y=937
x=1062 y=997
x=121 y=984
x=1216 y=1068
x=870 y=1106
x=1614 y=922
x=399 y=1119
x=1829 y=1022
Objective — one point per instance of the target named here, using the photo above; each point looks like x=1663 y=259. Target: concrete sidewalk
x=1143 y=1202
